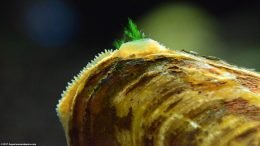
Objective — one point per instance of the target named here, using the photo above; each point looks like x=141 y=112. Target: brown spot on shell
x=242 y=107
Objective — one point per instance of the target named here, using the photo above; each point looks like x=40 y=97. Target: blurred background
x=44 y=43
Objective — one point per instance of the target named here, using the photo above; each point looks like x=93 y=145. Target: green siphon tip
x=131 y=33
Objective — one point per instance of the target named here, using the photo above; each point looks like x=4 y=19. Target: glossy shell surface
x=145 y=94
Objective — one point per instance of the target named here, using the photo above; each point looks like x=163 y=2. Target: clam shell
x=145 y=94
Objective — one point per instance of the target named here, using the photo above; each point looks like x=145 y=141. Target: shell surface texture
x=144 y=94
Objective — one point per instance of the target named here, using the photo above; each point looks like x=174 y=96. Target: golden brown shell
x=144 y=94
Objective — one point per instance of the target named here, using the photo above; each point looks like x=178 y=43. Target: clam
x=145 y=94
